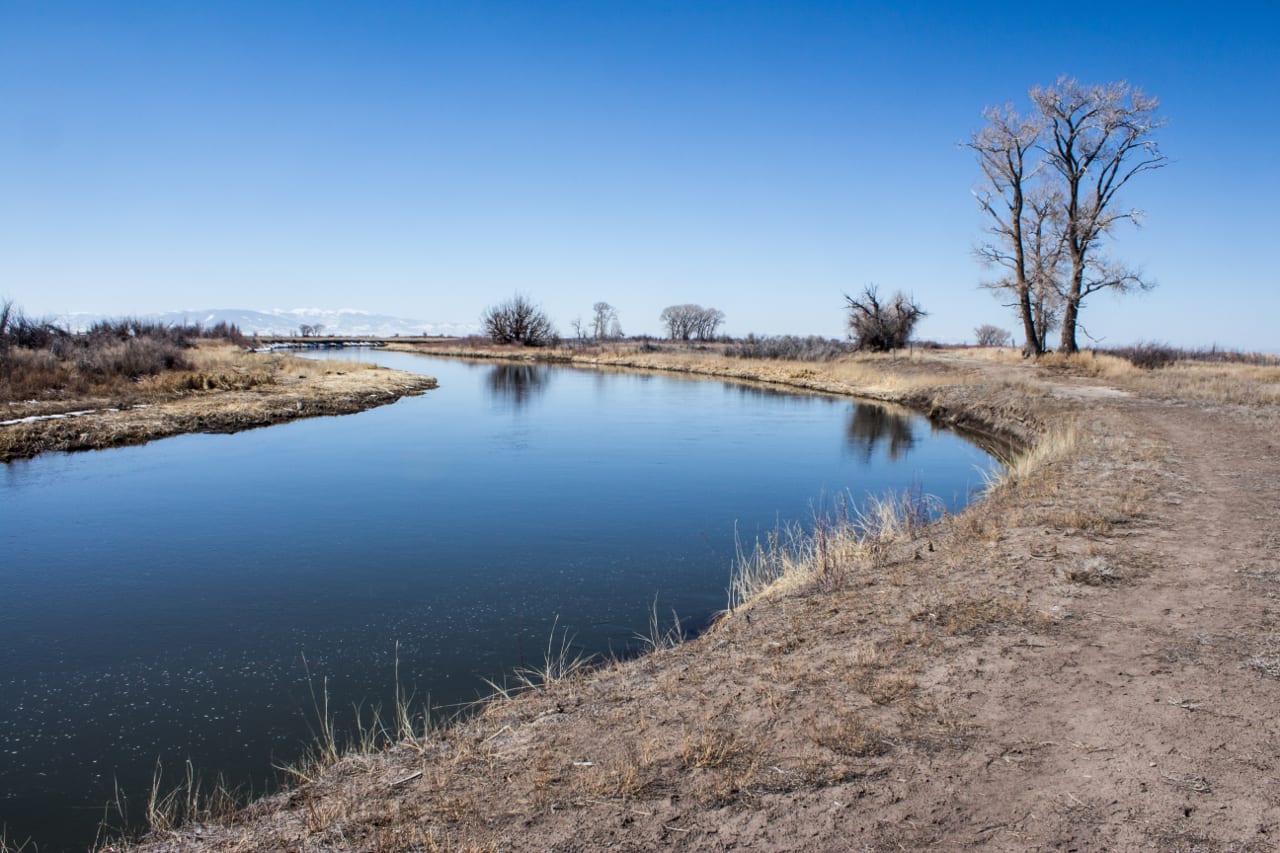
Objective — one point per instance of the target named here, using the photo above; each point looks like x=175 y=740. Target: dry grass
x=1254 y=383
x=10 y=845
x=221 y=390
x=1239 y=384
x=190 y=801
x=207 y=366
x=794 y=558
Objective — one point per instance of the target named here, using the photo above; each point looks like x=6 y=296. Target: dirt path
x=1089 y=660
x=1150 y=721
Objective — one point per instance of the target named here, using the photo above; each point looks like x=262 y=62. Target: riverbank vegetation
x=128 y=381
x=41 y=360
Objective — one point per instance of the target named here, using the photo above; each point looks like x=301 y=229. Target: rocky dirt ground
x=1087 y=660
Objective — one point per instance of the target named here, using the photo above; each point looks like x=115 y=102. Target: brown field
x=1089 y=659
x=48 y=405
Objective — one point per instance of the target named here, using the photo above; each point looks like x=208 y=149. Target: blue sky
x=428 y=159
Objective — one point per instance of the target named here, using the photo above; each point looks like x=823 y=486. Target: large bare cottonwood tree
x=1050 y=185
x=1097 y=139
x=1006 y=155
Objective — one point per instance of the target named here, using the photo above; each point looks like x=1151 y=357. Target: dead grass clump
x=559 y=663
x=1267 y=664
x=928 y=726
x=1037 y=470
x=710 y=749
x=965 y=615
x=1089 y=363
x=9 y=845
x=1084 y=519
x=1092 y=571
x=850 y=734
x=1267 y=661
x=188 y=802
x=620 y=780
x=838 y=544
x=883 y=688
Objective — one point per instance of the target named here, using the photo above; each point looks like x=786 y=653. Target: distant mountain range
x=345 y=323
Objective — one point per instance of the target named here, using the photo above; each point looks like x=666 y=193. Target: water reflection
x=757 y=391
x=870 y=425
x=518 y=384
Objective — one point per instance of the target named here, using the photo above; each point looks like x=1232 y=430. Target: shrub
x=881 y=327
x=518 y=321
x=38 y=356
x=790 y=347
x=1152 y=355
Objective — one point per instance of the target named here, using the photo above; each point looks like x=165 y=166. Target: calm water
x=157 y=602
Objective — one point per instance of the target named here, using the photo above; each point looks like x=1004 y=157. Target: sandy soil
x=28 y=428
x=1088 y=660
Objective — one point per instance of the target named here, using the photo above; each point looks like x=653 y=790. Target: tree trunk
x=1071 y=310
x=1032 y=346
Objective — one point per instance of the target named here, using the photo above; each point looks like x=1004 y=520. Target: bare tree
x=707 y=322
x=6 y=313
x=1005 y=148
x=1097 y=138
x=1050 y=181
x=1045 y=252
x=881 y=327
x=679 y=321
x=518 y=321
x=685 y=322
x=306 y=330
x=988 y=335
x=603 y=314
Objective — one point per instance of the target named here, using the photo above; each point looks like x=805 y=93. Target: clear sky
x=427 y=159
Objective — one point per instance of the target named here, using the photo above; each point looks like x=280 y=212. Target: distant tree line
x=691 y=322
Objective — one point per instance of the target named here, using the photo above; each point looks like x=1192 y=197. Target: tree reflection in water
x=517 y=384
x=870 y=425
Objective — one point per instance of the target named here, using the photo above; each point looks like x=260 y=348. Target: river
x=181 y=600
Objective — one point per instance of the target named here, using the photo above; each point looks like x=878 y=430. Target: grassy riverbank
x=1085 y=659
x=210 y=386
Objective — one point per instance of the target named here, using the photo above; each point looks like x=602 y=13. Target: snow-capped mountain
x=345 y=322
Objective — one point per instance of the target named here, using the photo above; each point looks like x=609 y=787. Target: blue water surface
x=167 y=602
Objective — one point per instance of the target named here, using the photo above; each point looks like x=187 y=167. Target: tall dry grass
x=39 y=358
x=36 y=382
x=1201 y=376
x=837 y=543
